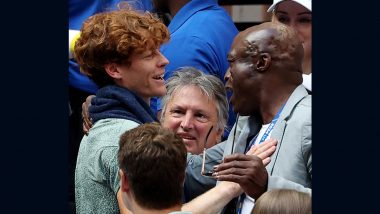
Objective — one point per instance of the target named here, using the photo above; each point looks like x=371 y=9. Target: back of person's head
x=210 y=85
x=112 y=37
x=283 y=201
x=153 y=160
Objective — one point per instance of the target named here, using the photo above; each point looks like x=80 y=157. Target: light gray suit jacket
x=291 y=164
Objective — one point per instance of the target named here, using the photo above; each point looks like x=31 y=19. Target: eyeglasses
x=209 y=173
x=203 y=172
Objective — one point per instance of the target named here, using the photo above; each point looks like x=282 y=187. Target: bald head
x=278 y=40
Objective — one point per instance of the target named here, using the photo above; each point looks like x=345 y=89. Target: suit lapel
x=242 y=132
x=239 y=140
x=279 y=129
x=278 y=133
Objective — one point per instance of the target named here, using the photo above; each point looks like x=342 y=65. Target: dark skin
x=246 y=170
x=261 y=83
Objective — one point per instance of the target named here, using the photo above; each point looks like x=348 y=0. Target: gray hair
x=210 y=85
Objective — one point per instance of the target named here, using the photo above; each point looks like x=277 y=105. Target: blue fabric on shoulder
x=118 y=102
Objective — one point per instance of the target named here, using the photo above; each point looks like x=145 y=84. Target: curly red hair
x=112 y=37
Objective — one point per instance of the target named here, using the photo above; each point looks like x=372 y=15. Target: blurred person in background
x=283 y=201
x=297 y=15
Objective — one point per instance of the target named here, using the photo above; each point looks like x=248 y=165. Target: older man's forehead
x=239 y=48
x=236 y=51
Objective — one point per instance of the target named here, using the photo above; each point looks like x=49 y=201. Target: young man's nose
x=163 y=60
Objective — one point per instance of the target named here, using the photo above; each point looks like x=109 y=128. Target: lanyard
x=240 y=203
x=266 y=133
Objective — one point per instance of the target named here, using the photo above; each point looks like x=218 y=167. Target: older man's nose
x=187 y=123
x=227 y=75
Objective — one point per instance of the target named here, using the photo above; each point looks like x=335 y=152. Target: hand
x=246 y=170
x=87 y=121
x=264 y=150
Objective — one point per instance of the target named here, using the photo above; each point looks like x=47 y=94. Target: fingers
x=229 y=174
x=237 y=157
x=229 y=177
x=251 y=179
x=87 y=123
x=89 y=98
x=85 y=108
x=264 y=146
x=86 y=105
x=246 y=170
x=267 y=153
x=266 y=161
x=238 y=164
x=257 y=149
x=84 y=128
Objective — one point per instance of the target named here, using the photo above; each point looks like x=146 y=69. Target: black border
x=345 y=111
x=35 y=113
x=34 y=106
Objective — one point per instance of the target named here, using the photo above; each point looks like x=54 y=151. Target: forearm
x=215 y=199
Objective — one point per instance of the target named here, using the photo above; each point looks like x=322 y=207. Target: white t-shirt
x=307 y=81
x=248 y=205
x=249 y=202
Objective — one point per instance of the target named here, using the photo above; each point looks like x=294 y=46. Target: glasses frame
x=209 y=173
x=203 y=172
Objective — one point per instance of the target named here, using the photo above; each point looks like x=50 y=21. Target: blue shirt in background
x=201 y=36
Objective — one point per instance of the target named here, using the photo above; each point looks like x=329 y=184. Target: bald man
x=265 y=75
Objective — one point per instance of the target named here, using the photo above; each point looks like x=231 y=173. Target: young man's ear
x=124 y=185
x=124 y=194
x=112 y=70
x=263 y=62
